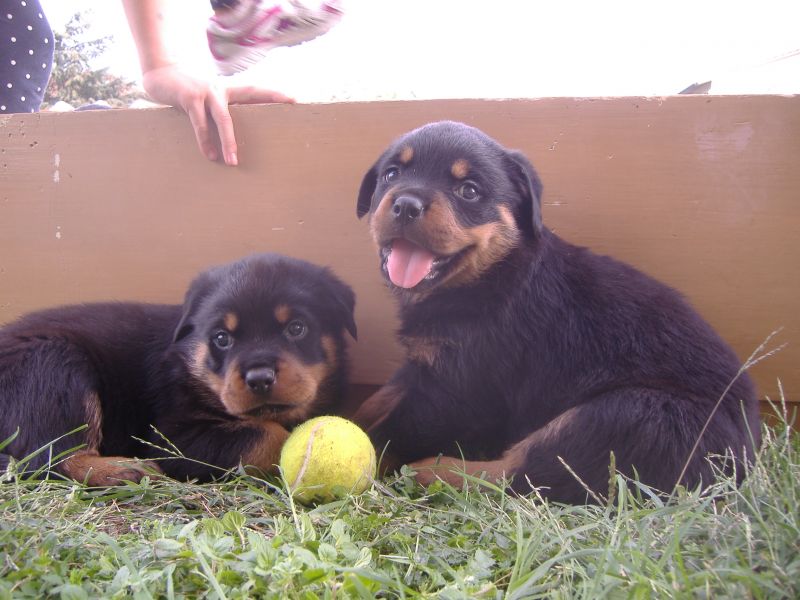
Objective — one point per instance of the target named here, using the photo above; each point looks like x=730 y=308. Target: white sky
x=501 y=48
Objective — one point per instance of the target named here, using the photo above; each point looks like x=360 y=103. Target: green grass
x=244 y=538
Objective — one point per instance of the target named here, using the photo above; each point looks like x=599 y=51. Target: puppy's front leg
x=265 y=452
x=371 y=414
x=213 y=446
x=375 y=409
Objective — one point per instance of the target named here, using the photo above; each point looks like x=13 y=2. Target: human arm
x=167 y=83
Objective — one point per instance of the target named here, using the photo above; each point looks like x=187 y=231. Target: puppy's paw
x=456 y=471
x=120 y=470
x=104 y=471
x=448 y=469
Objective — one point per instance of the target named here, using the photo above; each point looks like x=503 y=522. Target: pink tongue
x=408 y=263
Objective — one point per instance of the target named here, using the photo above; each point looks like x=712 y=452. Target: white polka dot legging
x=26 y=55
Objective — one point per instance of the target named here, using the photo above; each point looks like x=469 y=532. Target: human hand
x=200 y=100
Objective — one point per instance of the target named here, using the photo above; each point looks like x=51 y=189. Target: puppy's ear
x=343 y=303
x=198 y=291
x=530 y=188
x=365 y=193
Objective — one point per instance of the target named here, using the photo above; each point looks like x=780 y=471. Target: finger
x=199 y=120
x=255 y=95
x=218 y=107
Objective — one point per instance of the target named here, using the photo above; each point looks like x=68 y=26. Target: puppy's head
x=266 y=336
x=446 y=202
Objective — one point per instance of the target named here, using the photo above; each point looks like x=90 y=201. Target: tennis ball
x=327 y=458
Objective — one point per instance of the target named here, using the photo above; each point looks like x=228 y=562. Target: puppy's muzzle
x=407 y=209
x=260 y=379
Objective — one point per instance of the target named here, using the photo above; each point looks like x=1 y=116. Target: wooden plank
x=701 y=192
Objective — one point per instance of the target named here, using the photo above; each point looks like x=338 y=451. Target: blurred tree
x=74 y=79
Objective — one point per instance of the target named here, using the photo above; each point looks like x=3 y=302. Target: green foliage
x=245 y=538
x=74 y=79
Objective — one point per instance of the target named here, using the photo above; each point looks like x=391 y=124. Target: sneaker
x=243 y=34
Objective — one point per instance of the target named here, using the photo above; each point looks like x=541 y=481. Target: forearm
x=146 y=22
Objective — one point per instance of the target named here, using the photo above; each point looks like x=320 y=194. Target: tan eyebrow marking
x=406 y=154
x=282 y=313
x=231 y=321
x=460 y=169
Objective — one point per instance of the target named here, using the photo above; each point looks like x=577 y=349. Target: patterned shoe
x=243 y=34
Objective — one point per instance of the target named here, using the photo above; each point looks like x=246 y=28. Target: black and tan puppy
x=522 y=349
x=257 y=347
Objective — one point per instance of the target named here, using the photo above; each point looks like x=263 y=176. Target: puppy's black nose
x=260 y=379
x=407 y=208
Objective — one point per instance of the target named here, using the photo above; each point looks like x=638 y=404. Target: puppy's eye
x=222 y=340
x=391 y=174
x=468 y=191
x=295 y=330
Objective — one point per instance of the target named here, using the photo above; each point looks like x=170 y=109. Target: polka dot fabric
x=26 y=55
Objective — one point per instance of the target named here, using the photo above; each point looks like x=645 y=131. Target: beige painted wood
x=702 y=192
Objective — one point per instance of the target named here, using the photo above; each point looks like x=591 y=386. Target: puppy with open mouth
x=528 y=357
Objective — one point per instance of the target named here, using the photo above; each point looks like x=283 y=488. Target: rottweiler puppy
x=526 y=354
x=257 y=347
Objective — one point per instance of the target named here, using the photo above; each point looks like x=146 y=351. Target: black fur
x=158 y=366
x=552 y=351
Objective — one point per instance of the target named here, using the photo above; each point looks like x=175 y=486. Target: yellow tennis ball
x=327 y=458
